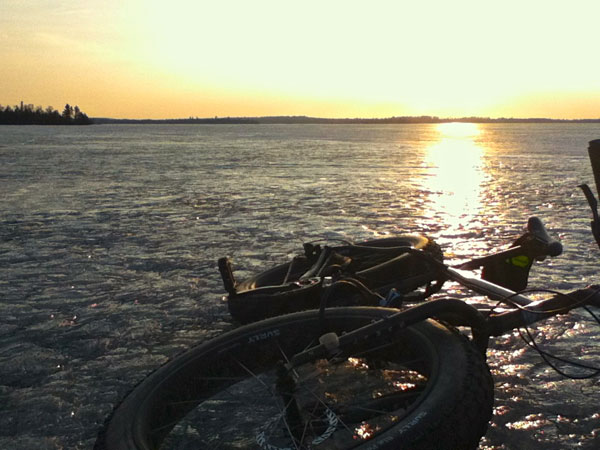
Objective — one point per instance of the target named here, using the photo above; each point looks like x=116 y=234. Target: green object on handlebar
x=511 y=273
x=520 y=261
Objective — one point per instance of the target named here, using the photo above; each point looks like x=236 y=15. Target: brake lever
x=589 y=195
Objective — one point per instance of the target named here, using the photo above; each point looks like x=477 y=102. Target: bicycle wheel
x=424 y=387
x=267 y=295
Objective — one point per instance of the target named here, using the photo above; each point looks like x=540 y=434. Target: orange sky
x=157 y=59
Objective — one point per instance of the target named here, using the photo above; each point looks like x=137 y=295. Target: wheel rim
x=343 y=402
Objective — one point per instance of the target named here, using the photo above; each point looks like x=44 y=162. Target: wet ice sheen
x=109 y=237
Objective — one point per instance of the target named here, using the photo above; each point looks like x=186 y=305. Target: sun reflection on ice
x=365 y=431
x=459 y=130
x=455 y=175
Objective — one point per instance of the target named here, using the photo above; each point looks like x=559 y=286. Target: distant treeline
x=30 y=115
x=191 y=120
x=317 y=120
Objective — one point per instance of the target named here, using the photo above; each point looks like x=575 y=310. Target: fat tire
x=253 y=303
x=451 y=414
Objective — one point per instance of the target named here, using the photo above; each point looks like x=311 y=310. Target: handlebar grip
x=537 y=229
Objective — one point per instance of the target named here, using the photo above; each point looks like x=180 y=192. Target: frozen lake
x=109 y=237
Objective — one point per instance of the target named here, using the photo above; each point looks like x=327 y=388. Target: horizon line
x=305 y=119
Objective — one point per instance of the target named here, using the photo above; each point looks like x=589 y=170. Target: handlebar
x=535 y=244
x=594 y=154
x=542 y=309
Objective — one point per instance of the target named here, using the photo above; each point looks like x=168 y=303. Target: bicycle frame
x=459 y=313
x=525 y=310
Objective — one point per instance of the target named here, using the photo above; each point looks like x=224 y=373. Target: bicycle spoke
x=364 y=396
x=329 y=404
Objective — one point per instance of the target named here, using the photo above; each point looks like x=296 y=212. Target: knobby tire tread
x=459 y=426
x=251 y=306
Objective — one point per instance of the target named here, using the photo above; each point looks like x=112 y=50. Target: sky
x=325 y=58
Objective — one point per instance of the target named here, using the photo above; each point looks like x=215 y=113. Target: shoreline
x=318 y=120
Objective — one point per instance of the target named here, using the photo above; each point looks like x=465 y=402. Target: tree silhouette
x=68 y=112
x=30 y=115
x=80 y=118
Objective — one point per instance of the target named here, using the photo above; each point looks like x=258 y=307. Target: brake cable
x=545 y=355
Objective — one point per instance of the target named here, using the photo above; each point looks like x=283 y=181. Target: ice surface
x=109 y=237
